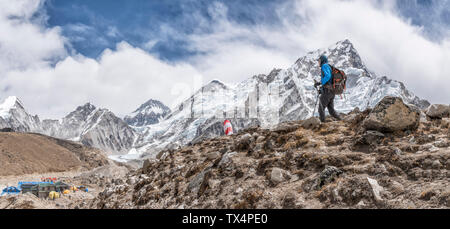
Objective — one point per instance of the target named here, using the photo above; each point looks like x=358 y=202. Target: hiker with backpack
x=332 y=82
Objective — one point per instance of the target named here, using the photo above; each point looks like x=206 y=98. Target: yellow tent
x=53 y=195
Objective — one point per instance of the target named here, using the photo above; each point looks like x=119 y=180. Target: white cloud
x=25 y=43
x=128 y=76
x=119 y=80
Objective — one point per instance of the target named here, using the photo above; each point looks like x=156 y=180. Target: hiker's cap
x=323 y=59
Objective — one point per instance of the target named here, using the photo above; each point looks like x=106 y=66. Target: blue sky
x=104 y=23
x=93 y=26
x=57 y=54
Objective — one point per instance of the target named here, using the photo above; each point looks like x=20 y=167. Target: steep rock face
x=282 y=95
x=149 y=113
x=390 y=115
x=108 y=132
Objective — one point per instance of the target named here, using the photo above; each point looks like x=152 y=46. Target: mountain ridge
x=281 y=95
x=261 y=100
x=87 y=124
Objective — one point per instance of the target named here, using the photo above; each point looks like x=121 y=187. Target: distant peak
x=10 y=102
x=87 y=107
x=12 y=99
x=346 y=41
x=151 y=103
x=88 y=104
x=216 y=81
x=151 y=112
x=343 y=44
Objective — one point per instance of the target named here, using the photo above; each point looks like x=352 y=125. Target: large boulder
x=438 y=111
x=390 y=115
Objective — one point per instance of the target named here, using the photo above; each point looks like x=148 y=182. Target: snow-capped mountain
x=13 y=115
x=266 y=100
x=93 y=127
x=90 y=125
x=262 y=100
x=106 y=131
x=149 y=113
x=72 y=125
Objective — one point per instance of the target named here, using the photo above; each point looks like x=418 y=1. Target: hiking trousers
x=327 y=101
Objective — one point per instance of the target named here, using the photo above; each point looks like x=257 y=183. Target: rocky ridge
x=301 y=164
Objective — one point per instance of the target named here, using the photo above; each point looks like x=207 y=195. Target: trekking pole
x=315 y=105
x=317 y=99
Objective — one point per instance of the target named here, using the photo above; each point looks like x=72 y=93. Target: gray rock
x=226 y=159
x=278 y=175
x=199 y=183
x=390 y=115
x=328 y=175
x=146 y=167
x=286 y=128
x=398 y=151
x=259 y=147
x=438 y=111
x=260 y=139
x=442 y=144
x=436 y=164
x=213 y=184
x=397 y=188
x=131 y=181
x=376 y=189
x=361 y=204
x=371 y=137
x=244 y=142
x=213 y=155
x=311 y=123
